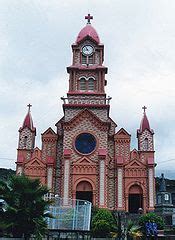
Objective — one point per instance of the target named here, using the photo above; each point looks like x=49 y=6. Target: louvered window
x=91 y=59
x=91 y=84
x=84 y=59
x=82 y=84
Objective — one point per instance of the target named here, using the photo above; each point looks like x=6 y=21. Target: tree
x=25 y=211
x=102 y=223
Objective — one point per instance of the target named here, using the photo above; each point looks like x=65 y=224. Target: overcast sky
x=139 y=37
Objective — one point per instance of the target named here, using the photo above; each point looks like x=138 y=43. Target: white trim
x=102 y=182
x=66 y=182
x=49 y=177
x=120 y=188
x=151 y=188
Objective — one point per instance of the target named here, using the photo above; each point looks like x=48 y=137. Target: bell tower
x=87 y=73
x=86 y=122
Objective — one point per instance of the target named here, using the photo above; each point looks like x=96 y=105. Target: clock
x=87 y=50
x=85 y=143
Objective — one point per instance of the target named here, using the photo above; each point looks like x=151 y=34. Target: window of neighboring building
x=166 y=197
x=173 y=198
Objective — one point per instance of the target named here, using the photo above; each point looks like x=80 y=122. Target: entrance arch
x=84 y=191
x=135 y=198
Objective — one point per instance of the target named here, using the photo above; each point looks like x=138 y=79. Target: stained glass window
x=85 y=143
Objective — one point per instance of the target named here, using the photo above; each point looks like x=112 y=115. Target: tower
x=86 y=122
x=26 y=142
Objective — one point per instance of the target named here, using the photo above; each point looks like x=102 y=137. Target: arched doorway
x=84 y=191
x=135 y=199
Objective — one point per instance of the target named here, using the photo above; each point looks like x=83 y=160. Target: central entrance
x=135 y=199
x=84 y=191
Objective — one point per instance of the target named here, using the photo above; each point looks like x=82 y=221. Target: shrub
x=102 y=223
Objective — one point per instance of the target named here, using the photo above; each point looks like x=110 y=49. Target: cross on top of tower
x=29 y=106
x=144 y=109
x=88 y=17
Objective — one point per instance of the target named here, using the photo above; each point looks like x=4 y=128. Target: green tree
x=102 y=223
x=25 y=211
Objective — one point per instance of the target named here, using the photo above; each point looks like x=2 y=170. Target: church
x=87 y=157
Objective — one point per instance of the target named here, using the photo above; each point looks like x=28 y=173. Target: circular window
x=85 y=143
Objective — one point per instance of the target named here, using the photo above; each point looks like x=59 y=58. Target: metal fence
x=69 y=214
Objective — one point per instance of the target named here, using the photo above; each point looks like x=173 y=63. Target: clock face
x=87 y=50
x=85 y=143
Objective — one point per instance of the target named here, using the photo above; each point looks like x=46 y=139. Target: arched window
x=91 y=84
x=146 y=144
x=25 y=141
x=82 y=84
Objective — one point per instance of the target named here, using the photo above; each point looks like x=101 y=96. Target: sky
x=35 y=49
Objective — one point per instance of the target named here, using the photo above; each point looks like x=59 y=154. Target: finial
x=88 y=17
x=144 y=109
x=29 y=106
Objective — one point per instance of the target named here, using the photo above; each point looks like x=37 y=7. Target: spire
x=144 y=123
x=28 y=122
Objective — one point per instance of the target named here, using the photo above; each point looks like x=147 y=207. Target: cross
x=88 y=17
x=29 y=106
x=144 y=108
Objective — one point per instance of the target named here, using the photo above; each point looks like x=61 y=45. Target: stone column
x=67 y=155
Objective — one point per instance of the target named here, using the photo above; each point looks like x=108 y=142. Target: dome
x=88 y=31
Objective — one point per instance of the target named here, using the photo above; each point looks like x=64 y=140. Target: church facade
x=86 y=157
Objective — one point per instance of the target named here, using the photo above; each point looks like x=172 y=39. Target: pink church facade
x=86 y=157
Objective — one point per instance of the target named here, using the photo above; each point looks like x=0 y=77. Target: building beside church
x=86 y=157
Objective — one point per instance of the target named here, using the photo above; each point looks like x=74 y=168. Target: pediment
x=135 y=164
x=49 y=132
x=35 y=162
x=84 y=161
x=134 y=155
x=122 y=133
x=86 y=114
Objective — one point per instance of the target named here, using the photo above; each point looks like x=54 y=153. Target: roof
x=88 y=31
x=28 y=122
x=144 y=123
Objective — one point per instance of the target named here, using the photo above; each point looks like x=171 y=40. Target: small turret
x=27 y=132
x=145 y=134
